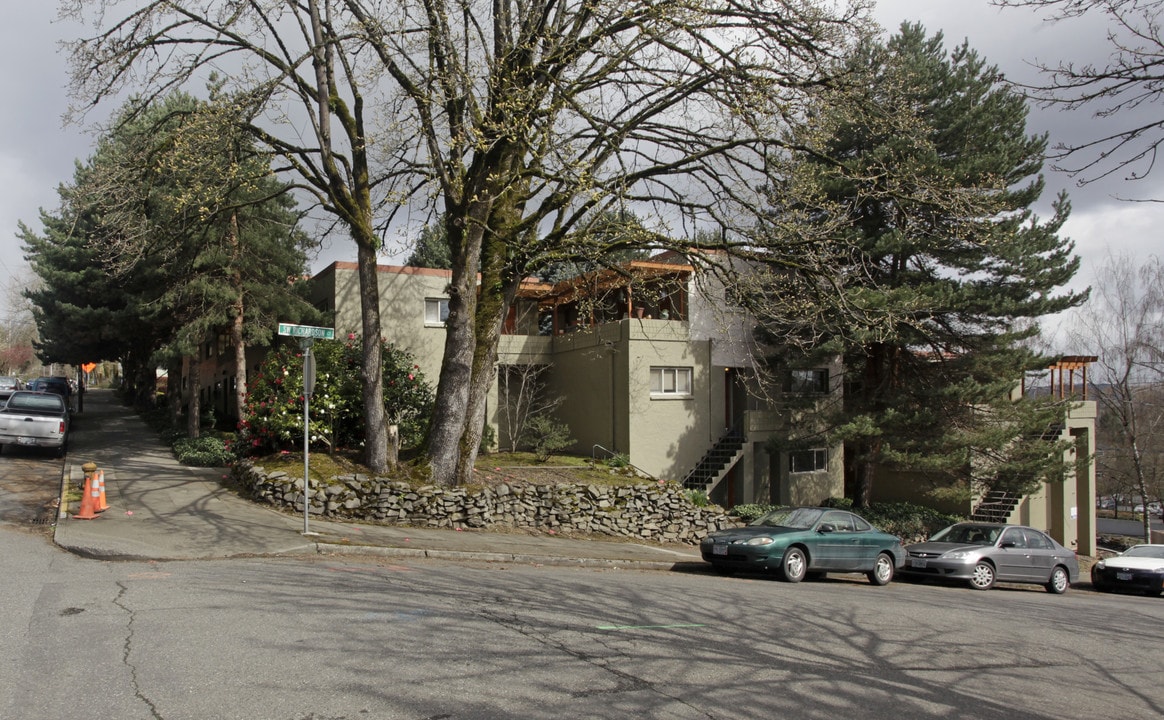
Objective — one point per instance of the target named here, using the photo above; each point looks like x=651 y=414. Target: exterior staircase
x=717 y=462
x=996 y=506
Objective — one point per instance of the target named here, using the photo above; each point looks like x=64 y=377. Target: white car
x=1139 y=568
x=1153 y=507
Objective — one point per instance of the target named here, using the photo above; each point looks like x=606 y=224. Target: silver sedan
x=985 y=553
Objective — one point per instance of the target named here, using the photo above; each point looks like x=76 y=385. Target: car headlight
x=960 y=554
x=759 y=541
x=1100 y=565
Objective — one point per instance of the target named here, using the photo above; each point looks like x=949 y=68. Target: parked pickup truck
x=35 y=419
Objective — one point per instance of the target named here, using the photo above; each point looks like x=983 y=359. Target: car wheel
x=882 y=571
x=794 y=565
x=982 y=577
x=1059 y=581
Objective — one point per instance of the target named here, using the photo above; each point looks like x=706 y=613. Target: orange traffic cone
x=89 y=497
x=102 y=506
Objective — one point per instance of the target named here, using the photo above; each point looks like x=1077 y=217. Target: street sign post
x=308 y=387
x=307 y=331
x=307 y=335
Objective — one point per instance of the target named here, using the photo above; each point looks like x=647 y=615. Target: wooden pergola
x=1063 y=374
x=593 y=285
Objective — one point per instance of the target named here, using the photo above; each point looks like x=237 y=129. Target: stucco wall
x=668 y=435
x=402 y=295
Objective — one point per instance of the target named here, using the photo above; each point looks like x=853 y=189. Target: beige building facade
x=650 y=364
x=646 y=367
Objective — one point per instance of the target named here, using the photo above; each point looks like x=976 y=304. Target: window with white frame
x=436 y=311
x=671 y=381
x=802 y=461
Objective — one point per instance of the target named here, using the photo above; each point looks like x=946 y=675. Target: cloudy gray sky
x=37 y=153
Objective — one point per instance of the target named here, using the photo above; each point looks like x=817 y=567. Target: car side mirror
x=1007 y=544
x=826 y=528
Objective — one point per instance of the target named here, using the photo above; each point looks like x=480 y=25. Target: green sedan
x=801 y=540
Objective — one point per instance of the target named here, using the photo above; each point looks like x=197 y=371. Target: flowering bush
x=274 y=407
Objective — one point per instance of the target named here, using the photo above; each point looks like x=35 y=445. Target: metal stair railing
x=716 y=462
x=996 y=506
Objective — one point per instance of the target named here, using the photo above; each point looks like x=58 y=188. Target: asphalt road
x=348 y=638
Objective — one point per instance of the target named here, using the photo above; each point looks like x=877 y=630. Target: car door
x=1011 y=559
x=839 y=547
x=1042 y=554
x=870 y=543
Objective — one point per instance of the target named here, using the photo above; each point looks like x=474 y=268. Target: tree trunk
x=491 y=312
x=194 y=401
x=237 y=325
x=453 y=386
x=866 y=473
x=371 y=367
x=481 y=239
x=240 y=362
x=174 y=394
x=393 y=444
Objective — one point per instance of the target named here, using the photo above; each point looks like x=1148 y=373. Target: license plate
x=1123 y=576
x=719 y=549
x=917 y=563
x=25 y=441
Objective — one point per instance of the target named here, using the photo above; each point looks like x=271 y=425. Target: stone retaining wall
x=658 y=512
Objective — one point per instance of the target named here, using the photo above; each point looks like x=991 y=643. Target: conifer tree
x=190 y=228
x=921 y=168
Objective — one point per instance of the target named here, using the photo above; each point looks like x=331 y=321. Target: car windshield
x=1148 y=551
x=795 y=518
x=967 y=534
x=33 y=401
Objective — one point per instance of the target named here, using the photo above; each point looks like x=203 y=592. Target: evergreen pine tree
x=920 y=166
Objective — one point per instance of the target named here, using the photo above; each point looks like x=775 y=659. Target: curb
x=493 y=557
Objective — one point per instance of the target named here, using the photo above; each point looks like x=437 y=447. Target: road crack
x=127 y=652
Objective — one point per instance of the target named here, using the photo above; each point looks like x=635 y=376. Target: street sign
x=307 y=331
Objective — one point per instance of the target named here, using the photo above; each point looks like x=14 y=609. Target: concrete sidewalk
x=162 y=510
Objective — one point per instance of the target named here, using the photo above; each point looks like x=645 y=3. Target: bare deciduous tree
x=518 y=123
x=524 y=395
x=1124 y=322
x=1123 y=88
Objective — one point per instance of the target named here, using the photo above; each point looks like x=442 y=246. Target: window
x=807 y=382
x=802 y=461
x=671 y=381
x=841 y=521
x=436 y=311
x=1038 y=540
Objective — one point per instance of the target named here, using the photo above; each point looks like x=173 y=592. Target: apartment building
x=647 y=365
x=651 y=362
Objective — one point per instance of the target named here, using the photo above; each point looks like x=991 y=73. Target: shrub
x=698 y=498
x=547 y=436
x=751 y=511
x=619 y=460
x=206 y=451
x=908 y=521
x=274 y=407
